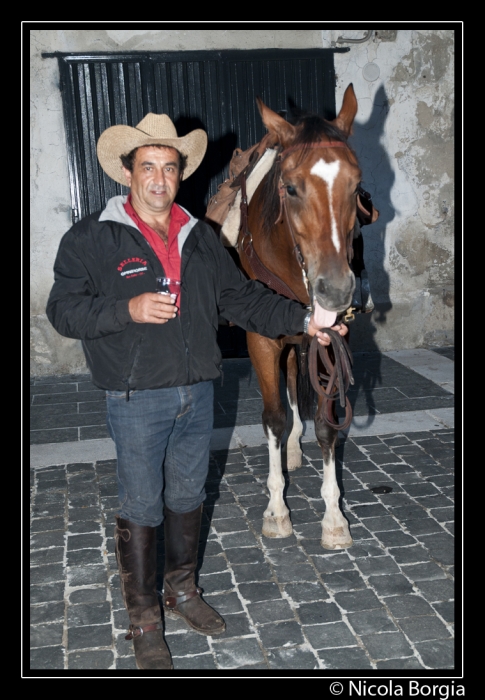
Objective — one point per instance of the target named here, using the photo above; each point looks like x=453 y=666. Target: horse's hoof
x=336 y=538
x=277 y=526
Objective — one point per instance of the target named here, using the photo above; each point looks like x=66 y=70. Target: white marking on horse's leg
x=276 y=518
x=335 y=529
x=293 y=448
x=328 y=172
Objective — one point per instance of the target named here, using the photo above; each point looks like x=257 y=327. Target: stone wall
x=403 y=136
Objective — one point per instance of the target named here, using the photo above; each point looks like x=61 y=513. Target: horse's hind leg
x=265 y=355
x=293 y=448
x=335 y=528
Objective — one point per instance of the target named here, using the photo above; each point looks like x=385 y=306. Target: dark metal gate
x=213 y=90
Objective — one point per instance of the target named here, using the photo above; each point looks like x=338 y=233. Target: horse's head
x=318 y=179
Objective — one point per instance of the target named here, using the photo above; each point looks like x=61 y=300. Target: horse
x=299 y=226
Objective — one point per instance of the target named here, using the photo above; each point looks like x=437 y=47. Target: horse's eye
x=291 y=190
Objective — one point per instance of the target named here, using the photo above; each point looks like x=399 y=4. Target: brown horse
x=299 y=225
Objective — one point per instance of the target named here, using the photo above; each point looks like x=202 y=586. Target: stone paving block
x=46 y=635
x=245 y=555
x=423 y=526
x=365 y=549
x=46 y=573
x=91 y=660
x=318 y=613
x=47 y=612
x=215 y=583
x=187 y=643
x=281 y=634
x=47 y=592
x=83 y=514
x=88 y=614
x=388 y=645
x=446 y=610
x=88 y=595
x=86 y=575
x=392 y=584
x=42 y=540
x=256 y=592
x=237 y=653
x=211 y=565
x=376 y=510
x=409 y=555
x=423 y=628
x=85 y=541
x=224 y=603
x=333 y=634
x=245 y=573
x=438 y=590
x=423 y=572
x=84 y=557
x=292 y=658
x=52 y=555
x=48 y=658
x=344 y=581
x=80 y=527
x=330 y=563
x=409 y=513
x=395 y=538
x=44 y=524
x=90 y=636
x=375 y=566
x=238 y=539
x=381 y=524
x=441 y=547
x=270 y=611
x=371 y=622
x=357 y=600
x=438 y=653
x=344 y=658
x=306 y=592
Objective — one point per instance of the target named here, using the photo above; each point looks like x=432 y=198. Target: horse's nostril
x=320 y=287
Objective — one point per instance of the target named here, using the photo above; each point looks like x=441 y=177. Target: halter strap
x=315 y=144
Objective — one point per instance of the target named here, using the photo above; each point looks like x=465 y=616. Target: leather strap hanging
x=333 y=385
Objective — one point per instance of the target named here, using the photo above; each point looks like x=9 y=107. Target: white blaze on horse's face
x=328 y=172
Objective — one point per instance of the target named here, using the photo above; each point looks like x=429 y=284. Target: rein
x=336 y=384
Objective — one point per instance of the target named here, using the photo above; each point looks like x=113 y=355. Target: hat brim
x=121 y=139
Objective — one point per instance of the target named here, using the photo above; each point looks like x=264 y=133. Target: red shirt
x=168 y=254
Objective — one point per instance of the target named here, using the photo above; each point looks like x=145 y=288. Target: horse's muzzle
x=334 y=294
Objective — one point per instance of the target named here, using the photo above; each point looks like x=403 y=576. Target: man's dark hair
x=129 y=158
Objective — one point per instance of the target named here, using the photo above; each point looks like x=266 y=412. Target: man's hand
x=152 y=308
x=323 y=338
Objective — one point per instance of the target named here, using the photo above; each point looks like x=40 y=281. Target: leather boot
x=181 y=597
x=136 y=553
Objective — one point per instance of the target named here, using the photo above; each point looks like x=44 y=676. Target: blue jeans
x=162 y=439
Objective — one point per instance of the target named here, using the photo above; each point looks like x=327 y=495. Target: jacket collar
x=115 y=211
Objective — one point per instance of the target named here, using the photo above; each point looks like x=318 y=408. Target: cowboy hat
x=153 y=129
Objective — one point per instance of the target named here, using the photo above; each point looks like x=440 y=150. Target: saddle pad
x=231 y=225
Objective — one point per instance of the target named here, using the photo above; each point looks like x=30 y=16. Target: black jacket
x=104 y=260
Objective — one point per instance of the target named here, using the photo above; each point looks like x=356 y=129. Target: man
x=157 y=359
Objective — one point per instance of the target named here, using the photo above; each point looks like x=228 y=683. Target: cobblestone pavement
x=386 y=603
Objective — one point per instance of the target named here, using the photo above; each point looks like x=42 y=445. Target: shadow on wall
x=378 y=179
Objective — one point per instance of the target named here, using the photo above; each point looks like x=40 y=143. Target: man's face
x=155 y=180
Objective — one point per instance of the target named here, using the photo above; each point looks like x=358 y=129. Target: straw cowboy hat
x=153 y=129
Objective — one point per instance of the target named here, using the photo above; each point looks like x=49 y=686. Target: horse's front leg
x=265 y=355
x=335 y=528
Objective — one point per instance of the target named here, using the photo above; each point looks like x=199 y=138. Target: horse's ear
x=275 y=124
x=346 y=116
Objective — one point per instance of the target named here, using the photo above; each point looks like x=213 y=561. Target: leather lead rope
x=333 y=385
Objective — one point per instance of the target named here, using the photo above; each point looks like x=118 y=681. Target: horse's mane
x=311 y=129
